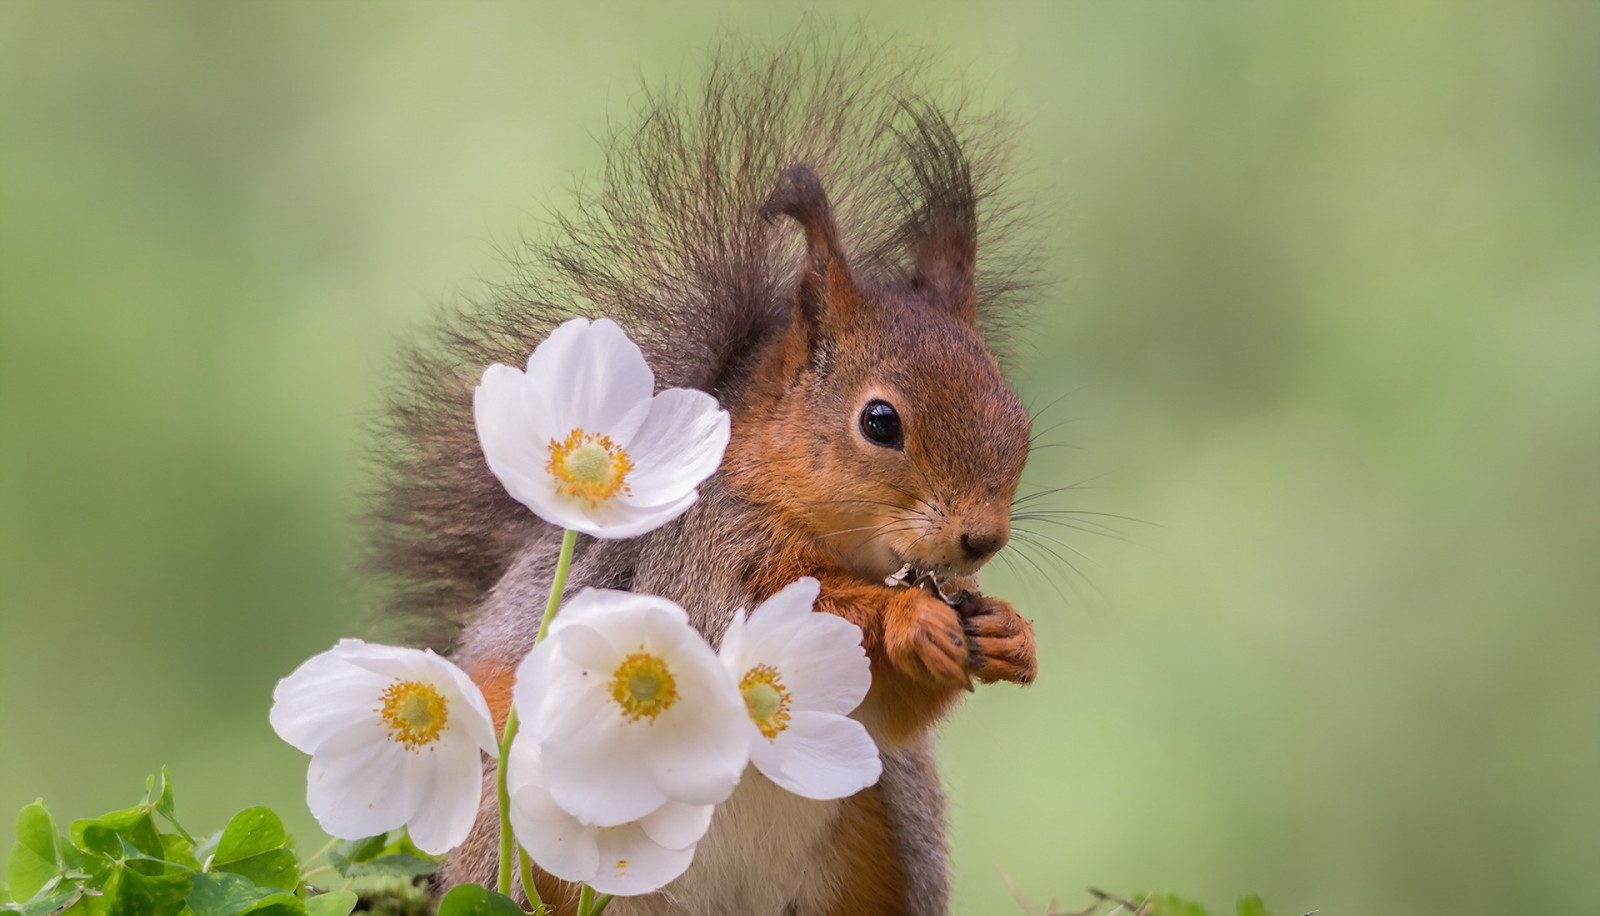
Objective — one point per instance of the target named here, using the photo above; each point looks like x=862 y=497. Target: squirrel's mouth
x=933 y=581
x=886 y=560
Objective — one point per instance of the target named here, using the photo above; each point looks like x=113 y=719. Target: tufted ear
x=826 y=296
x=941 y=234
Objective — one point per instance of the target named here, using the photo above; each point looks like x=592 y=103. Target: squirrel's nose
x=981 y=544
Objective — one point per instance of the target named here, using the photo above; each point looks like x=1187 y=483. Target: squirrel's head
x=880 y=424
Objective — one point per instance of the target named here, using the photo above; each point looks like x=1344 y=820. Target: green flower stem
x=326 y=848
x=508 y=842
x=503 y=799
x=569 y=539
x=525 y=869
x=508 y=845
x=600 y=904
x=586 y=901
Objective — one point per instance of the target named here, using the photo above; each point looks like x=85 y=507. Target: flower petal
x=506 y=421
x=362 y=790
x=602 y=775
x=677 y=826
x=535 y=490
x=560 y=843
x=820 y=755
x=601 y=375
x=622 y=519
x=823 y=664
x=324 y=698
x=630 y=863
x=729 y=650
x=589 y=649
x=469 y=711
x=448 y=804
x=679 y=445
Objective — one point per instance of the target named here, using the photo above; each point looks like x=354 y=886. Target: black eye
x=881 y=424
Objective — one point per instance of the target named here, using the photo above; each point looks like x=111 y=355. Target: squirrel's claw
x=1001 y=641
x=926 y=639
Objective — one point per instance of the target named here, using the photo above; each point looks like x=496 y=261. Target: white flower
x=633 y=858
x=801 y=674
x=631 y=709
x=580 y=440
x=393 y=735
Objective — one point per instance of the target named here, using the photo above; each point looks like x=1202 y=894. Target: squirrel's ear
x=825 y=292
x=944 y=253
x=941 y=235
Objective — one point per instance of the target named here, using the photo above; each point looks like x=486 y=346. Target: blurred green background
x=1326 y=333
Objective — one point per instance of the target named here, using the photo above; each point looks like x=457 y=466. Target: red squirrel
x=820 y=245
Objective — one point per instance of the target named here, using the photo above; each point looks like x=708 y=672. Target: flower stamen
x=643 y=686
x=589 y=466
x=766 y=699
x=414 y=714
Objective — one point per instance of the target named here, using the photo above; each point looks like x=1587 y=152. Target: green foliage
x=255 y=846
x=382 y=856
x=140 y=861
x=1173 y=905
x=475 y=900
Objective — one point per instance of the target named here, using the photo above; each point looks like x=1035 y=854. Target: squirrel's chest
x=768 y=852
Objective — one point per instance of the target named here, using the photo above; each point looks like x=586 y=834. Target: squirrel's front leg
x=1000 y=640
x=925 y=653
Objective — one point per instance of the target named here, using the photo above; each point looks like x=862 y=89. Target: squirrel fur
x=801 y=240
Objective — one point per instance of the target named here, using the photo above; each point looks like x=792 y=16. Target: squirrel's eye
x=881 y=424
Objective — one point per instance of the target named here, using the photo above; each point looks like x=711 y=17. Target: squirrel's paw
x=1000 y=641
x=925 y=640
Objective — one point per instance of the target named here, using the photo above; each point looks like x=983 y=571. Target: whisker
x=875 y=529
x=1044 y=513
x=1086 y=525
x=1024 y=546
x=1035 y=536
x=1039 y=494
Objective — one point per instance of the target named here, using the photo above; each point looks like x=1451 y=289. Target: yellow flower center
x=413 y=713
x=766 y=699
x=643 y=686
x=589 y=466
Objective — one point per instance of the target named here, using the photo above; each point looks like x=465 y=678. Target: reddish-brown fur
x=873 y=879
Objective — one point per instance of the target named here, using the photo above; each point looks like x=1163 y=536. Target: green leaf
x=57 y=895
x=164 y=807
x=390 y=854
x=249 y=833
x=397 y=866
x=1172 y=905
x=226 y=894
x=477 y=900
x=1252 y=906
x=36 y=857
x=107 y=833
x=120 y=890
x=333 y=903
x=255 y=845
x=362 y=850
x=179 y=851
